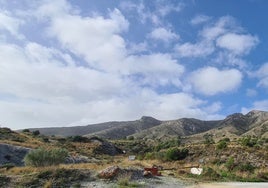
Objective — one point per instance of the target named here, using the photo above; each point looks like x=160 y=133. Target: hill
x=113 y=130
x=254 y=123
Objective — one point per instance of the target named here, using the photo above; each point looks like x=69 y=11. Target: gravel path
x=231 y=185
x=159 y=182
x=171 y=182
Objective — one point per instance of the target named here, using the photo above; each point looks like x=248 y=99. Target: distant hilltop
x=254 y=123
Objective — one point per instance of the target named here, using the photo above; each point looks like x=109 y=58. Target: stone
x=109 y=173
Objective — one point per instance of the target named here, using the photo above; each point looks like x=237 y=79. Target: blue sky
x=76 y=62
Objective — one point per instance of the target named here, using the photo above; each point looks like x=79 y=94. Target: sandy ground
x=231 y=185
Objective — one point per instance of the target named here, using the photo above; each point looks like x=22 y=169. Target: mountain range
x=254 y=123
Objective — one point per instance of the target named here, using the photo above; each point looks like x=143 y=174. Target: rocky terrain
x=232 y=149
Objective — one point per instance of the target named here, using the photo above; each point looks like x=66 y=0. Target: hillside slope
x=79 y=130
x=180 y=127
x=128 y=128
x=253 y=123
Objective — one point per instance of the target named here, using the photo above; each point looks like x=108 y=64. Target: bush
x=248 y=141
x=176 y=154
x=36 y=133
x=130 y=138
x=168 y=144
x=43 y=157
x=79 y=138
x=26 y=130
x=221 y=144
x=230 y=164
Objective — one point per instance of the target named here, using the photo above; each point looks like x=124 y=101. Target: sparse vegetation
x=168 y=144
x=44 y=157
x=4 y=180
x=222 y=144
x=58 y=177
x=248 y=141
x=244 y=158
x=174 y=154
x=208 y=139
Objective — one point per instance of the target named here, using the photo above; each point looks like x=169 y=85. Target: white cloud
x=257 y=105
x=201 y=49
x=262 y=74
x=10 y=23
x=221 y=26
x=137 y=47
x=199 y=19
x=49 y=77
x=231 y=59
x=205 y=45
x=49 y=8
x=164 y=8
x=157 y=15
x=237 y=43
x=163 y=34
x=155 y=69
x=91 y=37
x=211 y=81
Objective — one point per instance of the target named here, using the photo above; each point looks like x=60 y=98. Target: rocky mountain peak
x=148 y=119
x=257 y=113
x=235 y=116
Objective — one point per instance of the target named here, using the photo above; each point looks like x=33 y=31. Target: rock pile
x=115 y=173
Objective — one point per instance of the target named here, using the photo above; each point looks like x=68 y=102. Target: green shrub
x=36 y=132
x=230 y=164
x=248 y=141
x=173 y=154
x=168 y=144
x=79 y=138
x=221 y=144
x=26 y=130
x=43 y=157
x=130 y=138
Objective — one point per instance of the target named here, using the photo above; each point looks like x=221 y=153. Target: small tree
x=26 y=130
x=36 y=132
x=43 y=157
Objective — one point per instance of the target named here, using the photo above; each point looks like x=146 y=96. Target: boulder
x=12 y=154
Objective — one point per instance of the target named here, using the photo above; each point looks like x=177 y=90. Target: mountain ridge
x=252 y=123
